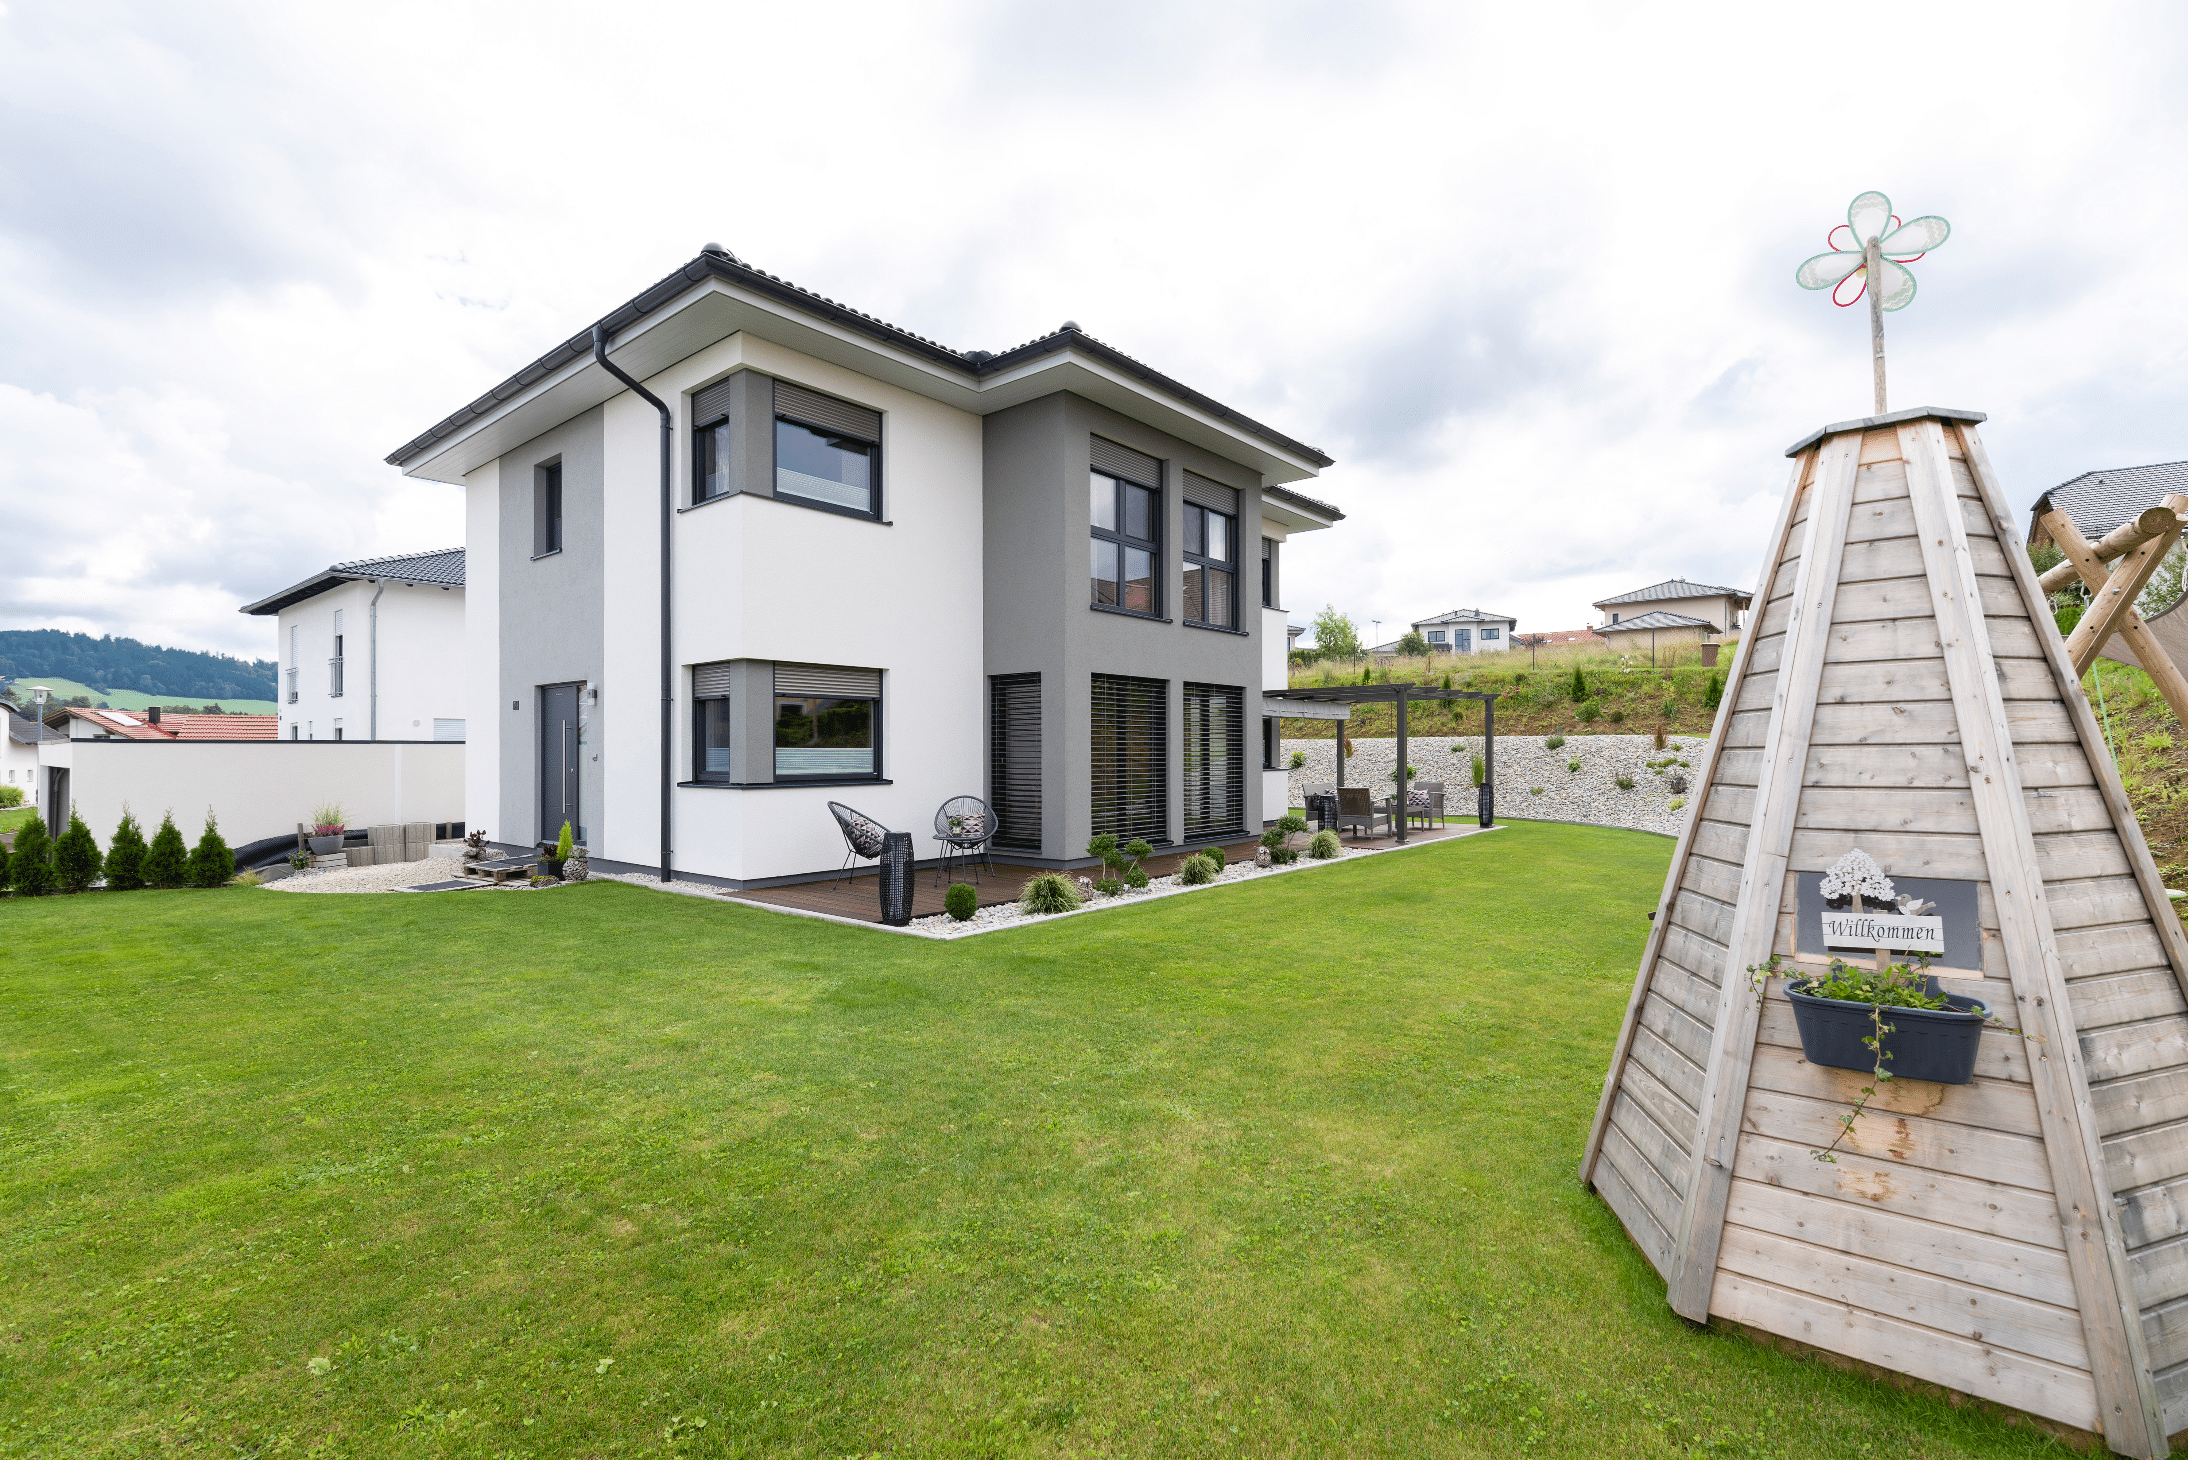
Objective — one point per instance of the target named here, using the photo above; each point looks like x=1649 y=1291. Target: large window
x=1131 y=791
x=1127 y=546
x=827 y=451
x=1211 y=550
x=1215 y=760
x=827 y=722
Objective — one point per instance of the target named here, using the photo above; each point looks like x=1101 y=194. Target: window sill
x=783 y=785
x=1153 y=618
x=789 y=502
x=550 y=553
x=1220 y=629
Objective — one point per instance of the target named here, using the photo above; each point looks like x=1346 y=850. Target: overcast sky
x=1525 y=271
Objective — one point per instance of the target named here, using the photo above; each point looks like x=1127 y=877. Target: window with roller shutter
x=1129 y=759
x=1014 y=759
x=827 y=451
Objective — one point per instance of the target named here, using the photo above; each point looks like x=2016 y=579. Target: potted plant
x=475 y=848
x=327 y=830
x=1896 y=1023
x=552 y=856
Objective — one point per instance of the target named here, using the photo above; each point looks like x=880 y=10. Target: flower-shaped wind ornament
x=1869 y=255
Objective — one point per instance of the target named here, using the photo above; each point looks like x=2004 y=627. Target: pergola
x=1335 y=702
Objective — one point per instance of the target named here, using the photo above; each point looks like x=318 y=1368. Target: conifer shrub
x=211 y=863
x=30 y=869
x=1580 y=685
x=125 y=856
x=76 y=859
x=167 y=861
x=1046 y=893
x=960 y=902
x=563 y=843
x=1716 y=692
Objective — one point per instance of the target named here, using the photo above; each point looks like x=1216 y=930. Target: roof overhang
x=1893 y=418
x=713 y=298
x=319 y=583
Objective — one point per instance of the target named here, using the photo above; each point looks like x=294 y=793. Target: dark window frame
x=1272 y=743
x=1139 y=771
x=1228 y=567
x=704 y=445
x=547 y=509
x=1124 y=541
x=779 y=418
x=1212 y=760
x=826 y=778
x=1268 y=572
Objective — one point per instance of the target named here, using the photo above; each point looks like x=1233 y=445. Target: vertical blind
x=1130 y=761
x=1014 y=759
x=1215 y=760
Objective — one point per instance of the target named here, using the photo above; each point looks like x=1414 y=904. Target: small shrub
x=1108 y=886
x=1046 y=893
x=1195 y=872
x=125 y=856
x=1616 y=717
x=1573 y=764
x=10 y=796
x=30 y=869
x=1213 y=856
x=1668 y=709
x=1299 y=759
x=563 y=843
x=961 y=902
x=1677 y=802
x=1625 y=783
x=246 y=879
x=1716 y=694
x=1580 y=685
x=300 y=860
x=1479 y=770
x=76 y=859
x=1589 y=712
x=1136 y=878
x=167 y=862
x=1323 y=846
x=1553 y=742
x=211 y=863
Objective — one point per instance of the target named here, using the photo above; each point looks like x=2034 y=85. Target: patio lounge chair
x=1356 y=810
x=1424 y=804
x=966 y=828
x=861 y=835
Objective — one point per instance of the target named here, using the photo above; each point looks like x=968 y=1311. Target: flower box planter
x=1924 y=1044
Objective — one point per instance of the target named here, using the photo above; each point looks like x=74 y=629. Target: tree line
x=108 y=664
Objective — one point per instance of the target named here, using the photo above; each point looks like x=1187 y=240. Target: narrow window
x=710 y=685
x=827 y=451
x=338 y=729
x=1272 y=742
x=1014 y=759
x=293 y=662
x=827 y=722
x=1130 y=759
x=710 y=467
x=1126 y=519
x=547 y=509
x=1268 y=572
x=334 y=664
x=1462 y=641
x=1214 y=760
x=1210 y=539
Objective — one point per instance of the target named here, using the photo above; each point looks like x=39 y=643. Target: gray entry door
x=558 y=760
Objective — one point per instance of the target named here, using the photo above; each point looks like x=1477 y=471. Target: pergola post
x=1402 y=804
x=1485 y=806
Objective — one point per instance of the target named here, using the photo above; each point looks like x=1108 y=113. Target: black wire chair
x=861 y=836
x=966 y=828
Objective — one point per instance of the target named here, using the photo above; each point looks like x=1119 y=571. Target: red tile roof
x=136 y=725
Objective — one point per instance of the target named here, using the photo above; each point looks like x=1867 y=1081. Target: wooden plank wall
x=1933 y=1245
x=1643 y=1164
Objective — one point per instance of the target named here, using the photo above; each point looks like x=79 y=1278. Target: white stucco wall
x=257 y=788
x=478 y=697
x=19 y=766
x=761 y=579
x=420 y=656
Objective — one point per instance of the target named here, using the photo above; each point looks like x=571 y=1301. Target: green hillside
x=63 y=689
x=182 y=676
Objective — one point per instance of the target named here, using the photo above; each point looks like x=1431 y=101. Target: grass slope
x=1621 y=696
x=1283 y=1169
x=129 y=699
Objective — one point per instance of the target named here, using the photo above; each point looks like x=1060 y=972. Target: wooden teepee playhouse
x=2022 y=1237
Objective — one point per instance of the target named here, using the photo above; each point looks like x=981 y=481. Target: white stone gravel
x=385 y=877
x=1591 y=794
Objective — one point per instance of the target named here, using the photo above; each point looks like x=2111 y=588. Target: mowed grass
x=1281 y=1169
x=12 y=817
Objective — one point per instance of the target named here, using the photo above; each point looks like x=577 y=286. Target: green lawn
x=129 y=699
x=13 y=816
x=1282 y=1169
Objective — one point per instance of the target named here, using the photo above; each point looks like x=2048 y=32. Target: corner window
x=1268 y=572
x=1211 y=548
x=827 y=722
x=1126 y=519
x=712 y=740
x=827 y=451
x=547 y=509
x=710 y=463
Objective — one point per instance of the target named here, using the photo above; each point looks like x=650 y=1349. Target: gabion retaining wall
x=1590 y=794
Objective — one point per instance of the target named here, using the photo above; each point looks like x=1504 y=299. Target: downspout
x=668 y=515
x=372 y=659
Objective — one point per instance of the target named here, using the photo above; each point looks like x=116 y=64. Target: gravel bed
x=385 y=877
x=1532 y=780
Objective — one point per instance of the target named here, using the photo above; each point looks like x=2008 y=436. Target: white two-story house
x=738 y=551
x=373 y=649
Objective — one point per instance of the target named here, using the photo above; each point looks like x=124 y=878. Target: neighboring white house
x=1697 y=604
x=19 y=753
x=898 y=573
x=1467 y=631
x=373 y=650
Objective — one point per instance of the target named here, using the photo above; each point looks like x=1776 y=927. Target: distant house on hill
x=372 y=649
x=73 y=723
x=1687 y=604
x=1467 y=631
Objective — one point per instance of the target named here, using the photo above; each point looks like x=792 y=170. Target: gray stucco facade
x=1039 y=618
x=551 y=612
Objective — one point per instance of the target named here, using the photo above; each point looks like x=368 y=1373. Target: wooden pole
x=2083 y=558
x=2120 y=541
x=1872 y=259
x=2106 y=606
